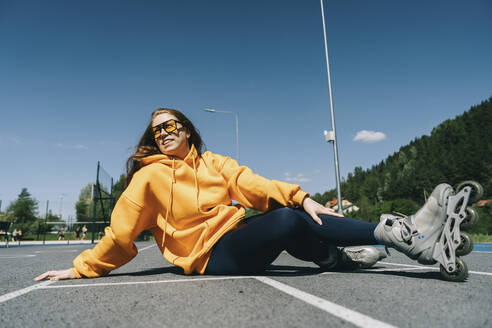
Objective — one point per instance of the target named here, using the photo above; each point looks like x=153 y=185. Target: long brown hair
x=147 y=146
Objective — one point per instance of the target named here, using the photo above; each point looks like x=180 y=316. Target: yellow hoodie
x=191 y=201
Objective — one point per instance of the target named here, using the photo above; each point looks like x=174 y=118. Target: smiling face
x=173 y=143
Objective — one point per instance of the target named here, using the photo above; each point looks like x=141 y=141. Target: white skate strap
x=407 y=230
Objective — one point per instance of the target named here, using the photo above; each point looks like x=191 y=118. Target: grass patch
x=52 y=236
x=481 y=238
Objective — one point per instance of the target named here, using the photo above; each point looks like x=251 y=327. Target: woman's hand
x=313 y=208
x=56 y=275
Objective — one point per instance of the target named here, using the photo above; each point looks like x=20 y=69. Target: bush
x=484 y=225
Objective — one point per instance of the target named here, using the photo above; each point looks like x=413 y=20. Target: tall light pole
x=331 y=136
x=211 y=110
x=61 y=204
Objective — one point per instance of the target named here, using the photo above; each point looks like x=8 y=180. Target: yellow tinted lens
x=157 y=131
x=170 y=126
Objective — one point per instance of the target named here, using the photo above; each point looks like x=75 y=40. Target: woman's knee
x=288 y=219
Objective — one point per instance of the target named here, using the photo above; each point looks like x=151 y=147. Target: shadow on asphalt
x=287 y=271
x=150 y=272
x=430 y=275
x=272 y=270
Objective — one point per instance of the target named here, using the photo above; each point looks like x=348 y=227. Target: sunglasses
x=169 y=126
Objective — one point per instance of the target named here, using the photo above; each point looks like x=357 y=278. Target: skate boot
x=351 y=258
x=361 y=257
x=433 y=233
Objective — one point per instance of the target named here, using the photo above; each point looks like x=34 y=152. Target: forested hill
x=456 y=150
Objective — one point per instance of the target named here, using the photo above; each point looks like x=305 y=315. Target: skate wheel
x=470 y=219
x=477 y=190
x=459 y=275
x=466 y=245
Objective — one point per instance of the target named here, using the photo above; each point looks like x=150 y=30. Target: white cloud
x=110 y=143
x=369 y=136
x=298 y=178
x=15 y=140
x=65 y=146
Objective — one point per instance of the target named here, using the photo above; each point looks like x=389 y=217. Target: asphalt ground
x=148 y=291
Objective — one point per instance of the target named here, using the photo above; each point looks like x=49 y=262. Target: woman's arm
x=255 y=191
x=117 y=247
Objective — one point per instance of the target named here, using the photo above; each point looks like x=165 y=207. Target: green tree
x=82 y=206
x=119 y=187
x=22 y=212
x=24 y=209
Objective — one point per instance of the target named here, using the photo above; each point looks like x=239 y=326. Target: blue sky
x=78 y=81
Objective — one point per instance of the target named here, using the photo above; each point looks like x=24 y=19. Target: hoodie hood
x=190 y=159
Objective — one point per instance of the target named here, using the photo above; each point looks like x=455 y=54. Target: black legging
x=252 y=247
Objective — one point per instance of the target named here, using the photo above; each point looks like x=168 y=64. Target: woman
x=185 y=198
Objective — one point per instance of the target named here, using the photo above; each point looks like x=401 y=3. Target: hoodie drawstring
x=196 y=185
x=170 y=202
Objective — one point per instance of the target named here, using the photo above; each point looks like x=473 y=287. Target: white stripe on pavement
x=393 y=269
x=58 y=251
x=410 y=265
x=482 y=273
x=45 y=285
x=16 y=256
x=433 y=268
x=143 y=249
x=23 y=291
x=55 y=251
x=143 y=282
x=341 y=312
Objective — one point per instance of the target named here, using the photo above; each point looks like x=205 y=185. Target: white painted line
x=330 y=272
x=23 y=291
x=391 y=269
x=16 y=256
x=341 y=312
x=434 y=268
x=144 y=282
x=410 y=265
x=369 y=270
x=482 y=252
x=143 y=249
x=60 y=251
x=482 y=273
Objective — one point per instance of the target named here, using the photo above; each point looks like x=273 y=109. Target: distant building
x=347 y=205
x=483 y=202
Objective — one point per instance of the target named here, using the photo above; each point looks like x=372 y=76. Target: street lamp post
x=331 y=136
x=61 y=204
x=211 y=110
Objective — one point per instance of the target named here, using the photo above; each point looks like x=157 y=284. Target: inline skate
x=351 y=258
x=433 y=233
